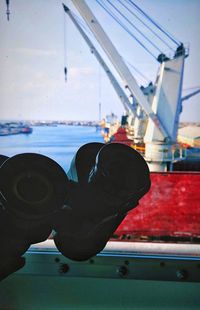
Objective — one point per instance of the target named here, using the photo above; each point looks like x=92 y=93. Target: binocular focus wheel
x=33 y=185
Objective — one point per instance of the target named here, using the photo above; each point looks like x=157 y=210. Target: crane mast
x=167 y=104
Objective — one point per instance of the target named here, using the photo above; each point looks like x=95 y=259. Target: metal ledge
x=133 y=249
x=119 y=260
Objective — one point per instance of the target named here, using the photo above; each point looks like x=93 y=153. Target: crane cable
x=147 y=26
x=140 y=32
x=89 y=33
x=138 y=71
x=126 y=29
x=172 y=38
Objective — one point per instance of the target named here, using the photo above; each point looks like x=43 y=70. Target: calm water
x=59 y=143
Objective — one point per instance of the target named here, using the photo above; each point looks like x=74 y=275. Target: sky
x=39 y=40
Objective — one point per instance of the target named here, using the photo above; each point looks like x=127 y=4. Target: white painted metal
x=117 y=247
x=129 y=108
x=119 y=64
x=162 y=107
x=167 y=99
x=167 y=105
x=140 y=125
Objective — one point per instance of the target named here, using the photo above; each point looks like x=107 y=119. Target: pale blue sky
x=32 y=84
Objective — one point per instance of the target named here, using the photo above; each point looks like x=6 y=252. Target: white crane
x=163 y=115
x=117 y=61
x=129 y=108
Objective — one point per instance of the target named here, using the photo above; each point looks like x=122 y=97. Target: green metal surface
x=26 y=292
x=111 y=280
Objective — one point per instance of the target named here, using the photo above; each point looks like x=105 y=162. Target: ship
x=14 y=128
x=150 y=125
x=152 y=259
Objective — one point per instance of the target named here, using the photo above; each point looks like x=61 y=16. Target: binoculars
x=81 y=209
x=32 y=188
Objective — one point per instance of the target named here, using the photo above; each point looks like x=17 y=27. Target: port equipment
x=129 y=108
x=163 y=114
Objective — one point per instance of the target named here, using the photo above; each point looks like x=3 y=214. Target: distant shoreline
x=75 y=123
x=53 y=123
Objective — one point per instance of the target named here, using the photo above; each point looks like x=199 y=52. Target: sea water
x=57 y=142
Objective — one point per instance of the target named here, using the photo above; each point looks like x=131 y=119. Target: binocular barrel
x=83 y=162
x=10 y=245
x=106 y=181
x=83 y=208
x=33 y=188
x=3 y=158
x=33 y=185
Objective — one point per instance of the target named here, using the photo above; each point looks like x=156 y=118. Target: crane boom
x=118 y=63
x=122 y=95
x=190 y=95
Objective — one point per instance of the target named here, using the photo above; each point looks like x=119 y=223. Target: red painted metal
x=121 y=137
x=170 y=208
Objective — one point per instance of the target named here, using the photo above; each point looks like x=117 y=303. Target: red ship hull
x=170 y=209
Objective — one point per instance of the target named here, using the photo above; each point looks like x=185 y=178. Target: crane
x=116 y=59
x=129 y=108
x=163 y=114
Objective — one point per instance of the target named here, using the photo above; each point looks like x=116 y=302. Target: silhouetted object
x=65 y=72
x=12 y=243
x=83 y=162
x=84 y=208
x=12 y=247
x=180 y=50
x=34 y=185
x=2 y=159
x=9 y=266
x=124 y=120
x=162 y=57
x=99 y=197
x=8 y=10
x=33 y=188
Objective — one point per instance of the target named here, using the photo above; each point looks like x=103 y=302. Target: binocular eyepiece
x=83 y=208
x=33 y=187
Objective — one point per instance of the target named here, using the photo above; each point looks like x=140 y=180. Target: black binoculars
x=33 y=188
x=81 y=208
